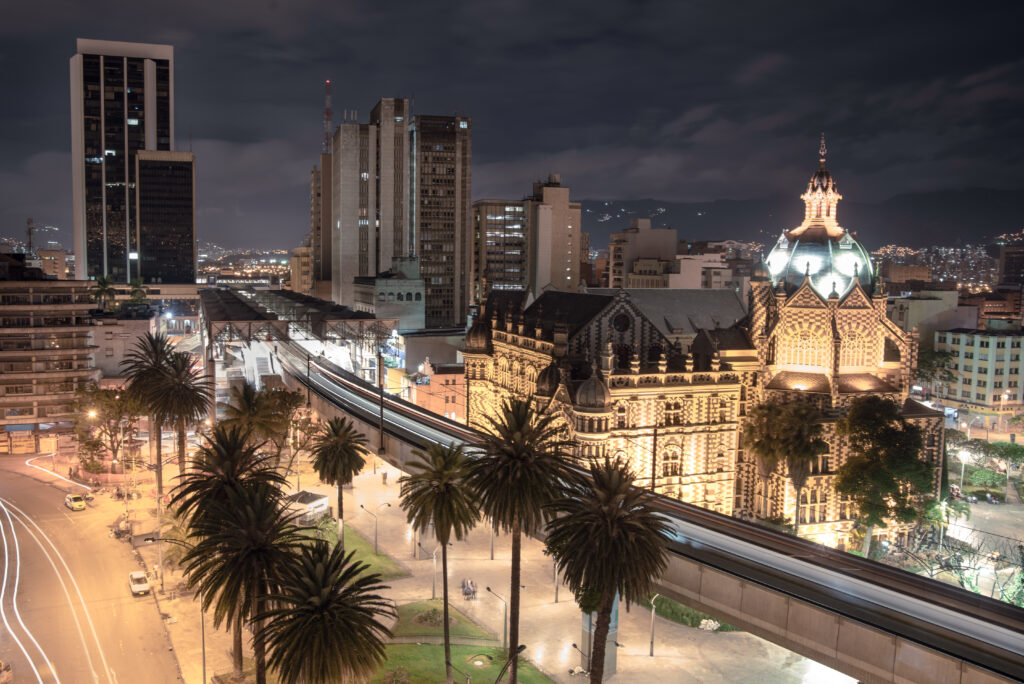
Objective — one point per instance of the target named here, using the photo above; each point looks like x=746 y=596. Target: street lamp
x=653 y=599
x=967 y=425
x=433 y=577
x=585 y=656
x=469 y=680
x=522 y=647
x=942 y=523
x=374 y=523
x=504 y=620
x=964 y=456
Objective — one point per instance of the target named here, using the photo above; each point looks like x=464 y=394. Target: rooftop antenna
x=326 y=149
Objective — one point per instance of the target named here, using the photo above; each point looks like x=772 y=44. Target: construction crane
x=29 y=230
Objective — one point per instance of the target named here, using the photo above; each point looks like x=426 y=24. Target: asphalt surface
x=66 y=612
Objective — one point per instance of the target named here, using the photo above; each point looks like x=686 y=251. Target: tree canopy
x=885 y=476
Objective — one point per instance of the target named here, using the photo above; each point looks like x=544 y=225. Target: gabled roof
x=574 y=309
x=685 y=311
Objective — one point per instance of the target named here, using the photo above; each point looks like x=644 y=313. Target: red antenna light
x=326 y=148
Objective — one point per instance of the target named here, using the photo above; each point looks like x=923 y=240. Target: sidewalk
x=548 y=628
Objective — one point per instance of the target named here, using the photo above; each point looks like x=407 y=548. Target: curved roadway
x=66 y=613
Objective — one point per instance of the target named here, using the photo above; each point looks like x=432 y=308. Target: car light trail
x=14 y=596
x=3 y=611
x=30 y=464
x=26 y=520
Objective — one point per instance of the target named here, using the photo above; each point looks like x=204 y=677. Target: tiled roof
x=684 y=312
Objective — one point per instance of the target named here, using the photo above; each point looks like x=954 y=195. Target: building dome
x=819 y=248
x=547 y=381
x=478 y=339
x=593 y=393
x=760 y=272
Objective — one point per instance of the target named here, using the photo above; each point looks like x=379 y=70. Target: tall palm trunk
x=259 y=648
x=866 y=547
x=236 y=648
x=158 y=428
x=796 y=515
x=182 y=447
x=513 y=608
x=341 y=518
x=600 y=635
x=444 y=594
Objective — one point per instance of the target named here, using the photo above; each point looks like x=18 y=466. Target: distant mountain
x=951 y=217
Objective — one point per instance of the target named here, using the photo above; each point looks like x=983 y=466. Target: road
x=66 y=614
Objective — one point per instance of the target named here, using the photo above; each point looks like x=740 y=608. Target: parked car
x=138 y=583
x=75 y=502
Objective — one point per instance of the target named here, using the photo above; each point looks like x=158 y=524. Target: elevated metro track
x=755 y=576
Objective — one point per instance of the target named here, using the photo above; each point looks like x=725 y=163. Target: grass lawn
x=425 y=664
x=460 y=625
x=380 y=563
x=677 y=612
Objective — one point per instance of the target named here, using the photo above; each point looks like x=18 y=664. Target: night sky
x=686 y=101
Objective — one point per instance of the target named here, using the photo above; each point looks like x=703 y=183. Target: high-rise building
x=1011 y=266
x=320 y=204
x=500 y=247
x=122 y=101
x=369 y=196
x=555 y=244
x=401 y=187
x=165 y=205
x=441 y=177
x=637 y=241
x=301 y=268
x=530 y=244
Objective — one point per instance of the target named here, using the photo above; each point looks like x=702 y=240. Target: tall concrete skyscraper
x=122 y=101
x=401 y=188
x=532 y=244
x=320 y=231
x=441 y=194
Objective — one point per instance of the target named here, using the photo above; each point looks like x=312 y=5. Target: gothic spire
x=822 y=150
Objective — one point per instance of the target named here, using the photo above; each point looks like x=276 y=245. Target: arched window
x=408 y=296
x=620 y=417
x=400 y=297
x=418 y=296
x=391 y=296
x=670 y=466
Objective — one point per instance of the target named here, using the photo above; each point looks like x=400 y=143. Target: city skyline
x=662 y=102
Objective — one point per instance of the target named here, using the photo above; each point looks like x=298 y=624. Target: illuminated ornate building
x=666 y=381
x=818 y=321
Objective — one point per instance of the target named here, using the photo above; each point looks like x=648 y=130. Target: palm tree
x=227 y=462
x=183 y=394
x=761 y=437
x=325 y=626
x=103 y=291
x=522 y=468
x=253 y=411
x=606 y=539
x=800 y=445
x=144 y=367
x=138 y=292
x=435 y=493
x=241 y=547
x=339 y=452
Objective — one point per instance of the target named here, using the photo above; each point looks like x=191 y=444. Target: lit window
x=463 y=124
x=133 y=122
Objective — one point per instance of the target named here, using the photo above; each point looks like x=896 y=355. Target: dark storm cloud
x=673 y=100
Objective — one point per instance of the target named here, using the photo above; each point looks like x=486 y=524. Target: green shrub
x=399 y=675
x=94 y=467
x=677 y=612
